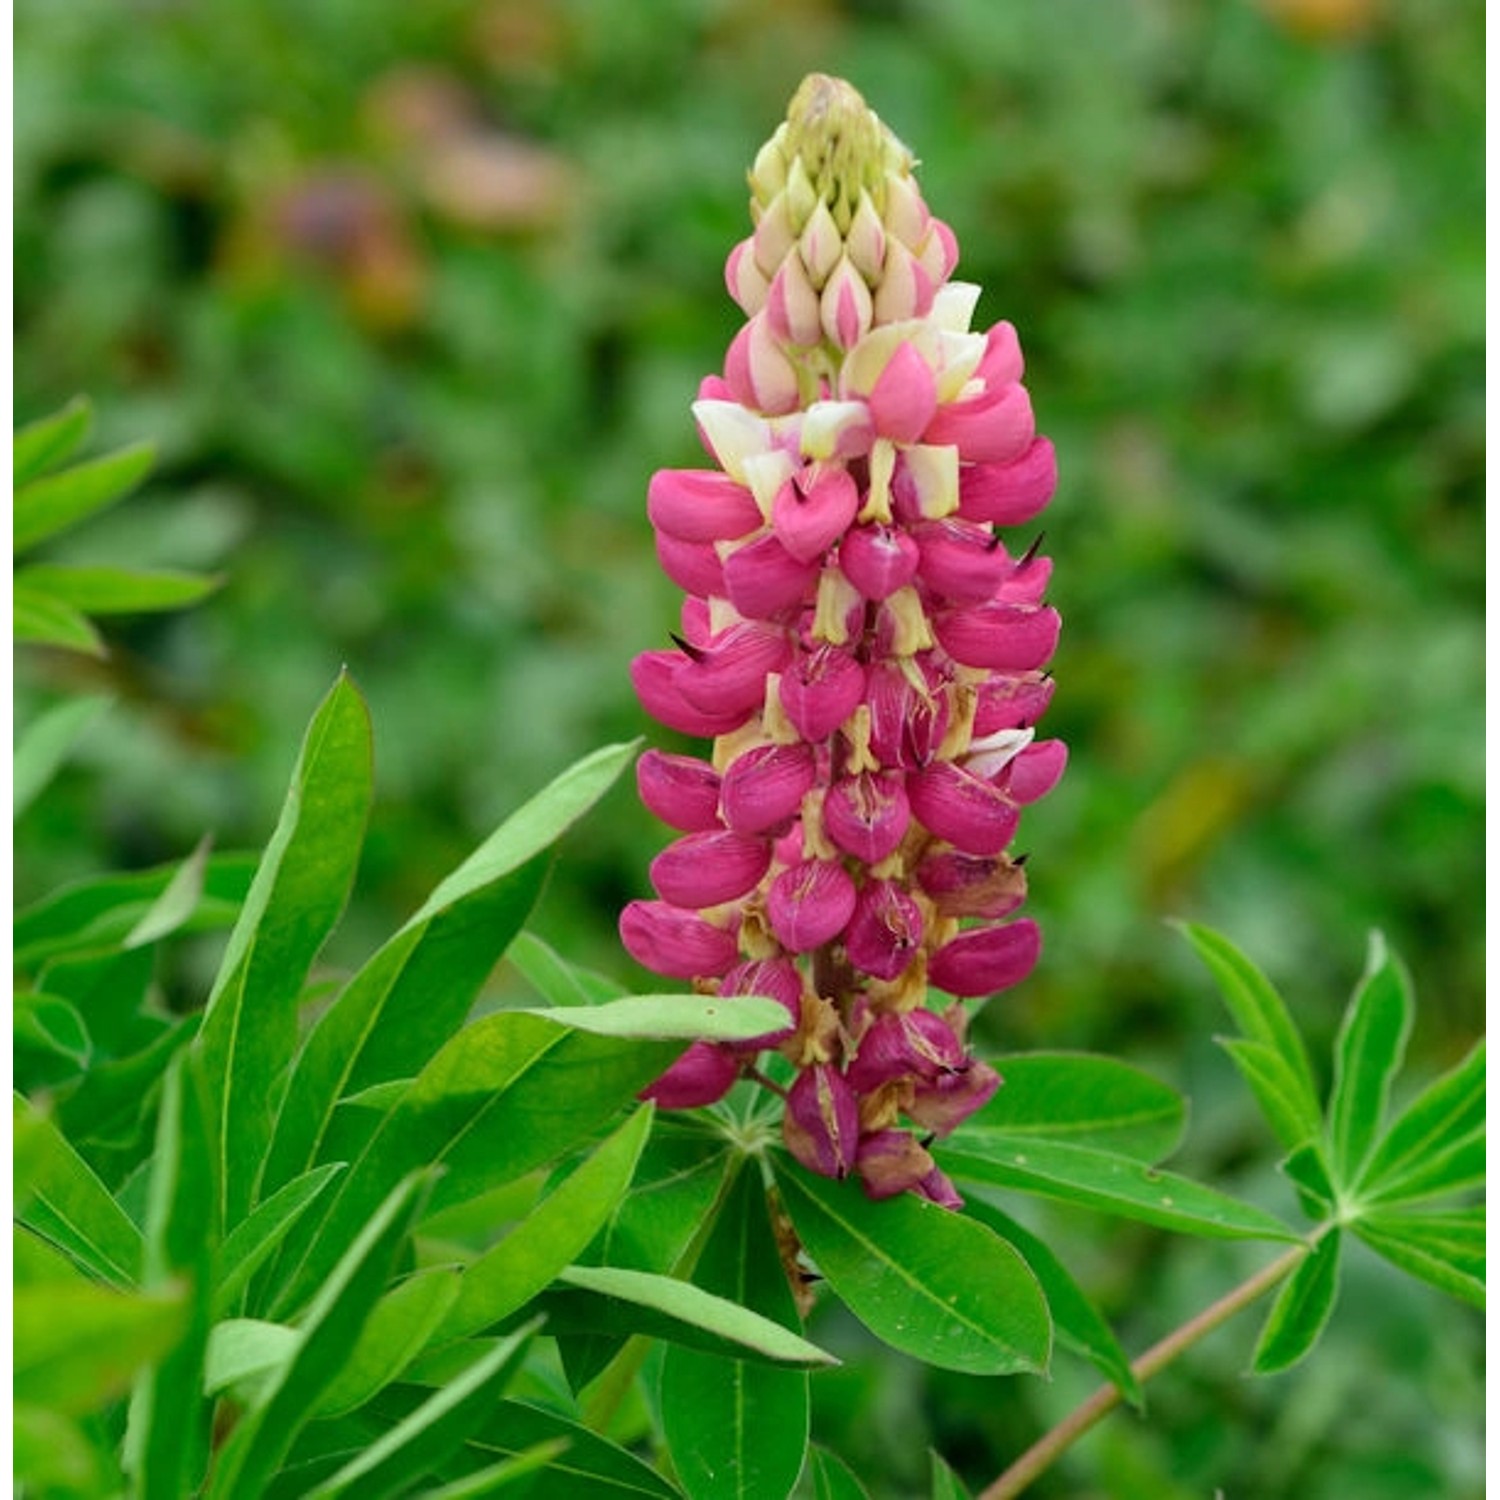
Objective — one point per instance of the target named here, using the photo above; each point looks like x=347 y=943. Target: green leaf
x=927 y=1281
x=45 y=507
x=1301 y=1310
x=737 y=1430
x=1461 y=1165
x=510 y=1274
x=53 y=1456
x=1308 y=1173
x=833 y=1479
x=946 y=1485
x=1446 y=1110
x=1258 y=1011
x=249 y=1031
x=51 y=1024
x=47 y=442
x=1076 y=1322
x=254 y=1238
x=536 y=826
x=177 y=903
x=78 y=1346
x=681 y=1017
x=166 y=1443
x=1114 y=1184
x=399 y=1327
x=496 y=1477
x=434 y=1430
x=70 y=1206
x=1282 y=1099
x=590 y=1468
x=329 y=1333
x=410 y=998
x=46 y=744
x=507 y=1094
x=1445 y=1250
x=45 y=621
x=101 y=913
x=116 y=591
x=243 y=1351
x=1076 y=1096
x=682 y=1308
x=1371 y=1044
x=554 y=978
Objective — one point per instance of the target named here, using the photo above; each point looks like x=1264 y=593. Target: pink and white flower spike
x=867 y=652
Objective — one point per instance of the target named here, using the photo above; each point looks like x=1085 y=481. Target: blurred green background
x=413 y=298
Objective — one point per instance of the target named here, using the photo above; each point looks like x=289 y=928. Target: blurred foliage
x=412 y=300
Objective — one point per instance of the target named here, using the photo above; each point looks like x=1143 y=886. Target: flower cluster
x=865 y=652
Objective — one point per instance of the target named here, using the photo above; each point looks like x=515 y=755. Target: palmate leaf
x=737 y=1430
x=1371 y=1044
x=1105 y=1181
x=249 y=1031
x=930 y=1283
x=1445 y=1249
x=1085 y=1099
x=1262 y=1017
x=47 y=442
x=46 y=506
x=1449 y=1109
x=413 y=994
x=1301 y=1310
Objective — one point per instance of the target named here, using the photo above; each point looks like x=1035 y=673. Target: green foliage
x=1357 y=1169
x=52 y=602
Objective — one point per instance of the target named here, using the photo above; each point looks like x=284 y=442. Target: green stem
x=1043 y=1453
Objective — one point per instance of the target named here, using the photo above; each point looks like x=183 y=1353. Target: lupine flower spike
x=865 y=651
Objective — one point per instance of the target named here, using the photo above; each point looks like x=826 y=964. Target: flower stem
x=1041 y=1455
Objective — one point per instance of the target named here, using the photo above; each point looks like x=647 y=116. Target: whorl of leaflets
x=866 y=653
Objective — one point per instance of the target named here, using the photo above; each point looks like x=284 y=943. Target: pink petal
x=1009 y=494
x=891 y=1162
x=730 y=676
x=995 y=427
x=1005 y=637
x=812 y=510
x=867 y=815
x=810 y=904
x=681 y=790
x=702 y=1075
x=986 y=959
x=821 y=1124
x=700 y=505
x=878 y=560
x=765 y=786
x=968 y=813
x=945 y=1103
x=961 y=563
x=676 y=943
x=654 y=676
x=693 y=566
x=820 y=689
x=707 y=869
x=1035 y=771
x=885 y=931
x=1011 y=701
x=765 y=582
x=972 y=885
x=904 y=398
x=906 y=727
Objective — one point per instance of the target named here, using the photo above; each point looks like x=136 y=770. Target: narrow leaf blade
x=47 y=743
x=45 y=507
x=1301 y=1310
x=47 y=442
x=1367 y=1055
x=929 y=1282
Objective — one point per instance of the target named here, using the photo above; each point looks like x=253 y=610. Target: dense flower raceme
x=866 y=653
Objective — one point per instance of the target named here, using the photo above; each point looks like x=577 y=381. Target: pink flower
x=866 y=651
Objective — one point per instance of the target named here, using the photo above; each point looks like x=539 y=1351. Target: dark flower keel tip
x=867 y=654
